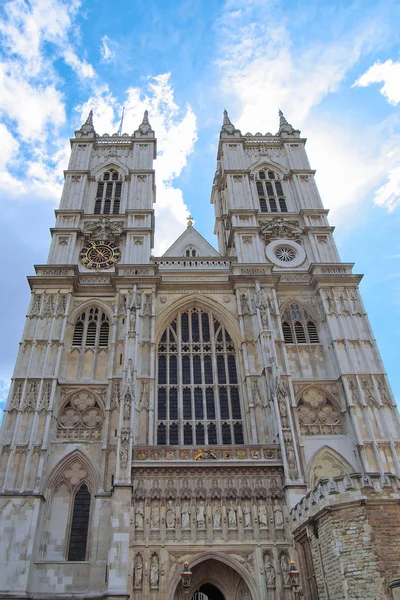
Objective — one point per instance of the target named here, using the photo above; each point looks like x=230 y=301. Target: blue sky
x=332 y=67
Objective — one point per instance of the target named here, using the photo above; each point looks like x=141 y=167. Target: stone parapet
x=344 y=490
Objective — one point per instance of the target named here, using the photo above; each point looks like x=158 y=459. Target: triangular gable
x=191 y=237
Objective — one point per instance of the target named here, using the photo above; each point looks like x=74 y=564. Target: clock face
x=99 y=255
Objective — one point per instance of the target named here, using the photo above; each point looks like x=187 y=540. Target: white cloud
x=388 y=195
x=389 y=73
x=176 y=134
x=264 y=71
x=107 y=54
x=83 y=69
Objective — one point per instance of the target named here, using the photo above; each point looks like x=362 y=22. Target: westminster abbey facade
x=226 y=408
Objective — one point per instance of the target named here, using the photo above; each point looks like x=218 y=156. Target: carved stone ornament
x=103 y=229
x=281 y=228
x=138 y=572
x=124 y=450
x=81 y=417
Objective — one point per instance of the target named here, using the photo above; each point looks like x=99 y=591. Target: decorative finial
x=145 y=126
x=87 y=128
x=189 y=221
x=226 y=118
x=226 y=123
x=282 y=120
x=285 y=127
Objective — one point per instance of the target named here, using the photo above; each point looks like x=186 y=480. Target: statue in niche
x=344 y=303
x=255 y=392
x=263 y=304
x=278 y=516
x=291 y=457
x=155 y=517
x=217 y=515
x=154 y=571
x=331 y=304
x=147 y=309
x=354 y=392
x=355 y=303
x=139 y=516
x=244 y=303
x=247 y=515
x=170 y=516
x=285 y=570
x=383 y=392
x=138 y=572
x=200 y=514
x=185 y=515
x=269 y=571
x=232 y=521
x=262 y=515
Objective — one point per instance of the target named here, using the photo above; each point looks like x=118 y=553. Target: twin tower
x=226 y=409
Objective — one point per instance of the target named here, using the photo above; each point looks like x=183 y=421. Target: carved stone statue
x=291 y=457
x=138 y=572
x=216 y=515
x=139 y=516
x=232 y=521
x=244 y=303
x=269 y=571
x=170 y=516
x=200 y=516
x=285 y=570
x=278 y=516
x=262 y=515
x=154 y=571
x=155 y=517
x=185 y=515
x=247 y=515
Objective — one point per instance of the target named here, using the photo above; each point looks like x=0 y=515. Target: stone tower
x=229 y=409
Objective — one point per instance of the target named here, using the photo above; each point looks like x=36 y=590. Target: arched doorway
x=214 y=579
x=208 y=591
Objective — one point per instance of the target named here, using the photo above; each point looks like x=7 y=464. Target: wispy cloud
x=106 y=51
x=263 y=69
x=388 y=73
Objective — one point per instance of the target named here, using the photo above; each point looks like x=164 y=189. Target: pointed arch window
x=270 y=192
x=79 y=524
x=91 y=329
x=198 y=398
x=298 y=327
x=108 y=193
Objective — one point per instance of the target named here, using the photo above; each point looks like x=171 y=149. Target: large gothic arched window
x=198 y=398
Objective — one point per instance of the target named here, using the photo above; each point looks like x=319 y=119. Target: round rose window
x=285 y=253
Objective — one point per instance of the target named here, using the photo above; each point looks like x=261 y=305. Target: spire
x=87 y=129
x=145 y=126
x=89 y=120
x=282 y=120
x=285 y=127
x=226 y=124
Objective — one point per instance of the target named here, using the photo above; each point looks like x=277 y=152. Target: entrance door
x=208 y=592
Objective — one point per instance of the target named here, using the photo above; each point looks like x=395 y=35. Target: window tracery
x=270 y=192
x=298 y=327
x=108 y=194
x=81 y=417
x=318 y=414
x=198 y=399
x=91 y=329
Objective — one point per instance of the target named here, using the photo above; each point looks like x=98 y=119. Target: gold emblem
x=141 y=455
